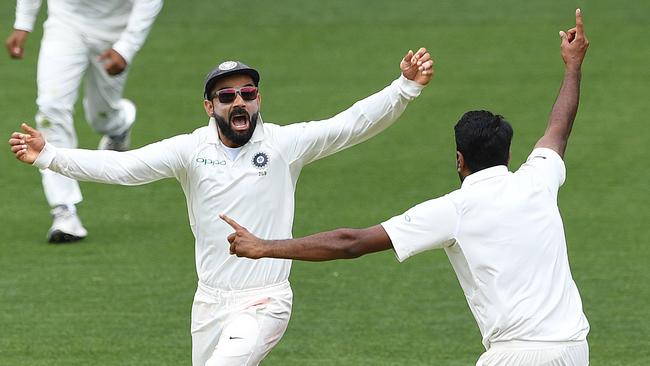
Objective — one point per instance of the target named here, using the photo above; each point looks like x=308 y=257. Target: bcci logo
x=260 y=160
x=228 y=65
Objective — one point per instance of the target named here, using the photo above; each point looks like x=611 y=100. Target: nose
x=239 y=101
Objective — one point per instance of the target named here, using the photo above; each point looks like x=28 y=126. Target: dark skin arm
x=573 y=49
x=329 y=245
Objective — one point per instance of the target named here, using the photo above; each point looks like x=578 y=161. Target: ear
x=460 y=161
x=209 y=108
x=259 y=100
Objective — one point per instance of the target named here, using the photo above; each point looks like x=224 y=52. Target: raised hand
x=574 y=44
x=27 y=146
x=242 y=242
x=417 y=67
x=15 y=43
x=114 y=63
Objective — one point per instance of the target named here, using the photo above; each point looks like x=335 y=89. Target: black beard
x=236 y=137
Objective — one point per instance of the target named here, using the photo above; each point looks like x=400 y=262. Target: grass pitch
x=123 y=296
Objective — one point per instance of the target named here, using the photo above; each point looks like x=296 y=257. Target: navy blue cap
x=228 y=68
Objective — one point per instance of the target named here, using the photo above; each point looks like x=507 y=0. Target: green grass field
x=123 y=296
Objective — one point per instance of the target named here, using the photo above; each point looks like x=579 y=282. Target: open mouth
x=240 y=122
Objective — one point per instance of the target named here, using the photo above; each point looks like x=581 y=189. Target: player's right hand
x=574 y=44
x=15 y=43
x=242 y=242
x=28 y=145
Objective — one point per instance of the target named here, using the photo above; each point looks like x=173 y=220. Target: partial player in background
x=502 y=232
x=95 y=39
x=244 y=166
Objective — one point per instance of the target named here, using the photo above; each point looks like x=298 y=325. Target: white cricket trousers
x=66 y=56
x=519 y=353
x=238 y=328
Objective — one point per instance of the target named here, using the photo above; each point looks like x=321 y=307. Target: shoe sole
x=59 y=237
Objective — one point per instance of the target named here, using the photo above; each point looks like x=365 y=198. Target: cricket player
x=243 y=166
x=502 y=232
x=95 y=39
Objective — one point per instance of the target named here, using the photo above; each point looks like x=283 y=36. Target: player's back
x=510 y=253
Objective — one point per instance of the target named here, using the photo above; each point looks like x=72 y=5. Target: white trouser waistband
x=522 y=345
x=242 y=294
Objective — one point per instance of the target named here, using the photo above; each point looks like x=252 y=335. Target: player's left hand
x=114 y=63
x=417 y=66
x=242 y=242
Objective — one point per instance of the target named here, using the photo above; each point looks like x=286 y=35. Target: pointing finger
x=579 y=24
x=231 y=222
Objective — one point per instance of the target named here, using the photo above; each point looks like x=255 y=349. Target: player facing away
x=502 y=232
x=95 y=39
x=243 y=166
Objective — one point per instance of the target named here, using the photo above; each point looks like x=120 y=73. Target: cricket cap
x=228 y=68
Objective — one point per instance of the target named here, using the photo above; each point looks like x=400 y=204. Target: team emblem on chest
x=260 y=160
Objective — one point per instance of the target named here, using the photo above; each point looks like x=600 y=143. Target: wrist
x=569 y=68
x=266 y=249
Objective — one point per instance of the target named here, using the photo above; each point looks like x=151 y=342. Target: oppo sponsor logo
x=206 y=161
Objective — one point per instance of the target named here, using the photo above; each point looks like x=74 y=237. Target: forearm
x=563 y=113
x=26 y=12
x=336 y=244
x=140 y=22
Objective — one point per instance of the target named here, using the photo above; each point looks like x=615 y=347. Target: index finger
x=230 y=222
x=579 y=24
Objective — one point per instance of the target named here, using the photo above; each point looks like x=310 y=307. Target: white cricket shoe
x=121 y=142
x=66 y=226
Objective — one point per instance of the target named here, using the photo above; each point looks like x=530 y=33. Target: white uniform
x=256 y=189
x=504 y=237
x=76 y=32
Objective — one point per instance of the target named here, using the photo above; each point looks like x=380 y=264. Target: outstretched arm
x=573 y=48
x=335 y=244
x=163 y=159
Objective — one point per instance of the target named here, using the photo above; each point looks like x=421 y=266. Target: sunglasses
x=229 y=95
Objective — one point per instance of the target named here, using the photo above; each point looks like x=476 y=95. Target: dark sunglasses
x=229 y=95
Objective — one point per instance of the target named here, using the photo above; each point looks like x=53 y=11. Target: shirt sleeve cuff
x=45 y=158
x=24 y=24
x=409 y=88
x=125 y=50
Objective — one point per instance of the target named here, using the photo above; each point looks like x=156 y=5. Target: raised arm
x=307 y=142
x=573 y=48
x=329 y=245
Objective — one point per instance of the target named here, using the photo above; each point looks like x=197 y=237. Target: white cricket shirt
x=504 y=237
x=125 y=23
x=256 y=189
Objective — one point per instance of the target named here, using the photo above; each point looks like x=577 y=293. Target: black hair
x=484 y=139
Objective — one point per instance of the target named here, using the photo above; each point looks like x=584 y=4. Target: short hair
x=484 y=139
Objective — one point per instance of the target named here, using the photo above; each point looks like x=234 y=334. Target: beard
x=239 y=138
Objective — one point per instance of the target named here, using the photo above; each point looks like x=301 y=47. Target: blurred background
x=123 y=295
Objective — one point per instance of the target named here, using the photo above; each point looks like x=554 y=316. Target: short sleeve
x=429 y=225
x=546 y=166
